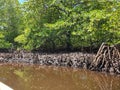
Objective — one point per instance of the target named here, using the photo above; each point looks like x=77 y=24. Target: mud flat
x=73 y=59
x=76 y=59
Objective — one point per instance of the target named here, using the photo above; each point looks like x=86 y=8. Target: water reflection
x=106 y=82
x=56 y=78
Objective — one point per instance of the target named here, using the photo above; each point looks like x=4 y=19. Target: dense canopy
x=58 y=24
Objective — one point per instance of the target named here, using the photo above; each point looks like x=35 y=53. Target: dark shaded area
x=69 y=49
x=4 y=50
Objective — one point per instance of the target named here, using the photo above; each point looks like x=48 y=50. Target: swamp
x=60 y=44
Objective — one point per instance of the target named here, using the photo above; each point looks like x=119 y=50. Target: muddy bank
x=77 y=59
x=73 y=59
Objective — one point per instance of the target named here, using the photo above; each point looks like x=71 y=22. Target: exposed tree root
x=107 y=59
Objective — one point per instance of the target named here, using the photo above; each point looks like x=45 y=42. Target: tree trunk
x=68 y=40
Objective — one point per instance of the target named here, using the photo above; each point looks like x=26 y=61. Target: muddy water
x=54 y=78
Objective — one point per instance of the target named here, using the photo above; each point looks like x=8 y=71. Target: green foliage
x=21 y=39
x=3 y=43
x=9 y=22
x=58 y=24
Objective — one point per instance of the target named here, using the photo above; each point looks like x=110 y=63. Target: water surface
x=56 y=78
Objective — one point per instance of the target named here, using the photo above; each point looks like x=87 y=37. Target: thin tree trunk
x=68 y=40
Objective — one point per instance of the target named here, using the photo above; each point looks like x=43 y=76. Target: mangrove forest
x=59 y=44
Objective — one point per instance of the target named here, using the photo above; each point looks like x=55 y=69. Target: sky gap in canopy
x=21 y=1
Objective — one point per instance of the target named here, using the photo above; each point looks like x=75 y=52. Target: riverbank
x=76 y=59
x=73 y=59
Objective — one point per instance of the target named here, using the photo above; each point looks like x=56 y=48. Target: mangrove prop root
x=107 y=59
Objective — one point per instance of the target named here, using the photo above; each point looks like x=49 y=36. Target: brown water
x=53 y=78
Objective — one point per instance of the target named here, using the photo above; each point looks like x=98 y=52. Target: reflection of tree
x=106 y=82
x=80 y=79
x=58 y=78
x=9 y=78
x=87 y=80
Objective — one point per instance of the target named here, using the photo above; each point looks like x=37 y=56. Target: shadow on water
x=56 y=78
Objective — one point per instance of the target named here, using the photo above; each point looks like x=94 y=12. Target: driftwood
x=107 y=59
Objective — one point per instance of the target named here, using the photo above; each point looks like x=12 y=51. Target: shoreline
x=76 y=59
x=72 y=59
